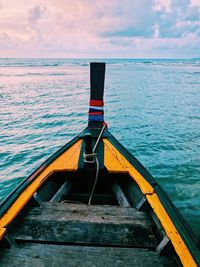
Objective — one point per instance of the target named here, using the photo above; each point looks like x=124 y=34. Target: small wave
x=11 y=62
x=38 y=74
x=83 y=64
x=196 y=72
x=51 y=65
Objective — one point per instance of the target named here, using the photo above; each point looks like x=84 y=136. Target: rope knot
x=89 y=158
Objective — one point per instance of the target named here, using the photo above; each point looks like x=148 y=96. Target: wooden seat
x=47 y=255
x=90 y=225
x=56 y=234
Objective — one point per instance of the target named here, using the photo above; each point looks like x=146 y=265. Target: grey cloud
x=130 y=32
x=135 y=18
x=181 y=5
x=181 y=20
x=139 y=17
x=36 y=13
x=193 y=14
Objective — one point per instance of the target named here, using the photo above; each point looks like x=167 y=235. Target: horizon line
x=98 y=58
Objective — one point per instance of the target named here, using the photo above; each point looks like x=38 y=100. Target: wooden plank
x=62 y=192
x=36 y=200
x=159 y=229
x=120 y=196
x=82 y=224
x=165 y=247
x=46 y=255
x=143 y=204
x=133 y=193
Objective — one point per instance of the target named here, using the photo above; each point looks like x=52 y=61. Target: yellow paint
x=2 y=232
x=171 y=230
x=111 y=161
x=67 y=161
x=115 y=162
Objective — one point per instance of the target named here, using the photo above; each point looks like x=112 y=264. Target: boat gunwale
x=14 y=194
x=184 y=229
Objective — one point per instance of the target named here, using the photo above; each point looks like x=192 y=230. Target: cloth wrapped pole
x=97 y=78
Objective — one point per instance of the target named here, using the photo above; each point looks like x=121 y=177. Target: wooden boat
x=93 y=204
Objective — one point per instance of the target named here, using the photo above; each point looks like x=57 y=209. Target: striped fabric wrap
x=96 y=112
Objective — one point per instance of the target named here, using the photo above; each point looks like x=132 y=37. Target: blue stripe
x=96 y=118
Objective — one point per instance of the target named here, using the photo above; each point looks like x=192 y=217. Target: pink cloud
x=68 y=28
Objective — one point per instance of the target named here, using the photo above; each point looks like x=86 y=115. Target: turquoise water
x=152 y=107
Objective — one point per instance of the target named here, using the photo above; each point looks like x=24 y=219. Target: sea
x=152 y=106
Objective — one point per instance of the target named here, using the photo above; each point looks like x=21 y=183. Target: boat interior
x=57 y=226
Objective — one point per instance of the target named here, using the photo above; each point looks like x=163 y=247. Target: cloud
x=180 y=21
x=69 y=28
x=6 y=42
x=135 y=19
x=195 y=3
x=160 y=5
x=36 y=13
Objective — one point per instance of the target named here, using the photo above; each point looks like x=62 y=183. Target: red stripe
x=96 y=113
x=97 y=103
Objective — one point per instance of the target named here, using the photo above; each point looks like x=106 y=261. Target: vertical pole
x=97 y=78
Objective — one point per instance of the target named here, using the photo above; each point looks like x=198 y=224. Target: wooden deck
x=56 y=234
x=53 y=255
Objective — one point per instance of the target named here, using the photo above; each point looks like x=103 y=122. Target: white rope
x=95 y=181
x=95 y=146
x=94 y=155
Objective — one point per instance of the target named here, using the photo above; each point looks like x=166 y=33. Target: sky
x=100 y=28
